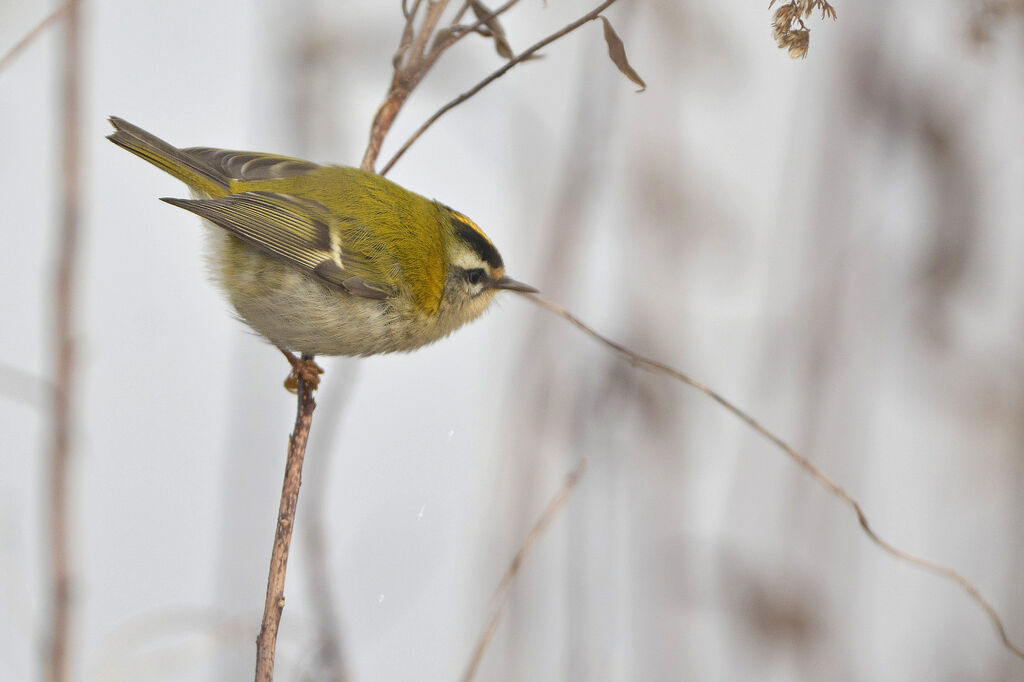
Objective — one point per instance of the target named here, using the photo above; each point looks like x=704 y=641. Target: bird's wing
x=300 y=232
x=250 y=166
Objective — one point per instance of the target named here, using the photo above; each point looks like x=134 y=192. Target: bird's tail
x=190 y=170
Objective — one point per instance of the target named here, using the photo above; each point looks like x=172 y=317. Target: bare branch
x=457 y=33
x=59 y=626
x=419 y=44
x=36 y=31
x=590 y=16
x=817 y=474
x=266 y=643
x=413 y=60
x=459 y=14
x=410 y=64
x=407 y=33
x=500 y=598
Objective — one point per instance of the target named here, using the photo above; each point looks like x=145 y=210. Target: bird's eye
x=476 y=277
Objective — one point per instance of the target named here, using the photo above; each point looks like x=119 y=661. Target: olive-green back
x=387 y=233
x=348 y=227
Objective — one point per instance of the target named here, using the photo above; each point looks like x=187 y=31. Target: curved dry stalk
x=801 y=461
x=34 y=33
x=500 y=598
x=525 y=54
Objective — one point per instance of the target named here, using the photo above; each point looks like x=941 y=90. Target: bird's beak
x=513 y=285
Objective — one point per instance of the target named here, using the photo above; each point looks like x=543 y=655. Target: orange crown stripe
x=470 y=223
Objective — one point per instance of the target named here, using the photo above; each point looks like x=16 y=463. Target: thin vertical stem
x=266 y=643
x=69 y=184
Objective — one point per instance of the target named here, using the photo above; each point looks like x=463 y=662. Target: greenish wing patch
x=250 y=166
x=295 y=230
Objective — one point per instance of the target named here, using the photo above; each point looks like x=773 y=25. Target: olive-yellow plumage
x=329 y=260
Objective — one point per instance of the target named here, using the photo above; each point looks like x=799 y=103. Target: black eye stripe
x=476 y=241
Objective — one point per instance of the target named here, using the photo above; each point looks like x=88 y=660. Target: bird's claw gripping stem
x=302 y=368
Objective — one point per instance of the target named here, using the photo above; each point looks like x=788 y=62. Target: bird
x=328 y=259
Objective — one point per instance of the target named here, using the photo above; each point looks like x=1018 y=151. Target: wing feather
x=298 y=231
x=250 y=166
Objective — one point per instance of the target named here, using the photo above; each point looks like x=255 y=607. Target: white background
x=834 y=243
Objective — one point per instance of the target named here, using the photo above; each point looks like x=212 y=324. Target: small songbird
x=330 y=260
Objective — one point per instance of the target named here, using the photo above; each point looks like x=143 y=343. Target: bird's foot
x=302 y=368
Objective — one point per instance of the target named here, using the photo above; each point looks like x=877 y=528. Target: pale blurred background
x=835 y=243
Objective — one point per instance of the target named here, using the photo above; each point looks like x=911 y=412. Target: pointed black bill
x=513 y=285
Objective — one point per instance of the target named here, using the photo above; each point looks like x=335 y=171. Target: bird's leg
x=303 y=368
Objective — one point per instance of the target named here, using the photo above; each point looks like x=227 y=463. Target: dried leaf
x=617 y=52
x=501 y=44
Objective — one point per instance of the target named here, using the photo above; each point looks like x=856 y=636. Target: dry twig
x=522 y=56
x=414 y=59
x=817 y=474
x=411 y=63
x=266 y=643
x=58 y=630
x=500 y=598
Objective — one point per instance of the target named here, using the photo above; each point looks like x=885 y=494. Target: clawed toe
x=303 y=368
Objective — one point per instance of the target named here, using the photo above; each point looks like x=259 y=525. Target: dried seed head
x=788 y=28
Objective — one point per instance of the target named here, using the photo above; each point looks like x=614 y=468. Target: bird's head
x=475 y=269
